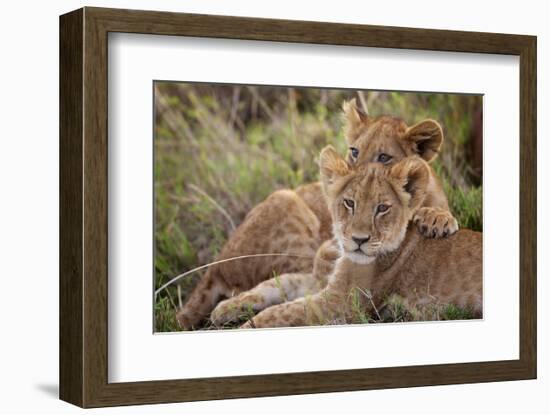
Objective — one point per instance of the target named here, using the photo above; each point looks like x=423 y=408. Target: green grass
x=466 y=202
x=359 y=315
x=396 y=309
x=220 y=150
x=165 y=318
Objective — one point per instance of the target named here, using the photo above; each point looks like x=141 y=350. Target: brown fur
x=283 y=223
x=277 y=290
x=297 y=222
x=395 y=259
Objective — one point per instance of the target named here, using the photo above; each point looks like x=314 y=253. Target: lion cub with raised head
x=380 y=252
x=387 y=140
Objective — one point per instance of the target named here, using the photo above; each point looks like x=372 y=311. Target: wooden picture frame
x=83 y=206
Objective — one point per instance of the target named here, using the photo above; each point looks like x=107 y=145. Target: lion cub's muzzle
x=359 y=244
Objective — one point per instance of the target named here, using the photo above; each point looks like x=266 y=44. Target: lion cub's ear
x=332 y=166
x=410 y=178
x=354 y=119
x=425 y=138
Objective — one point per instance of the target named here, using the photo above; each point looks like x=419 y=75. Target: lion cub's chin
x=359 y=258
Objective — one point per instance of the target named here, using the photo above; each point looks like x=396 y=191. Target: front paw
x=224 y=312
x=435 y=222
x=248 y=325
x=232 y=310
x=264 y=319
x=186 y=319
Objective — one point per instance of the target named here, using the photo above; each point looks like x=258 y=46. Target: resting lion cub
x=380 y=252
x=297 y=222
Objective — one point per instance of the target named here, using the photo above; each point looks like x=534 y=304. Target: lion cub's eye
x=354 y=153
x=384 y=158
x=350 y=204
x=382 y=207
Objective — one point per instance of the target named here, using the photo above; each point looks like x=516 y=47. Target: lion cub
x=380 y=252
x=297 y=222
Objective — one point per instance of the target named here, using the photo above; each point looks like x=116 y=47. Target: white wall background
x=29 y=204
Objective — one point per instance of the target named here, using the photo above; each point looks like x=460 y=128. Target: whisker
x=220 y=262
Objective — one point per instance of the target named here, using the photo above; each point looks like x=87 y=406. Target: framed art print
x=256 y=207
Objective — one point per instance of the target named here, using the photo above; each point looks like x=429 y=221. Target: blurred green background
x=221 y=149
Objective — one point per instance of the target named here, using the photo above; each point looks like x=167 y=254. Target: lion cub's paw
x=182 y=320
x=187 y=319
x=232 y=310
x=248 y=325
x=435 y=222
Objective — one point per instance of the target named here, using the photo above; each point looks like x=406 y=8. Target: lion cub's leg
x=210 y=289
x=328 y=306
x=282 y=289
x=434 y=222
x=317 y=309
x=277 y=290
x=334 y=304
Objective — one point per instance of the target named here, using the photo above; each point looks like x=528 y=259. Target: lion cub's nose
x=360 y=241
